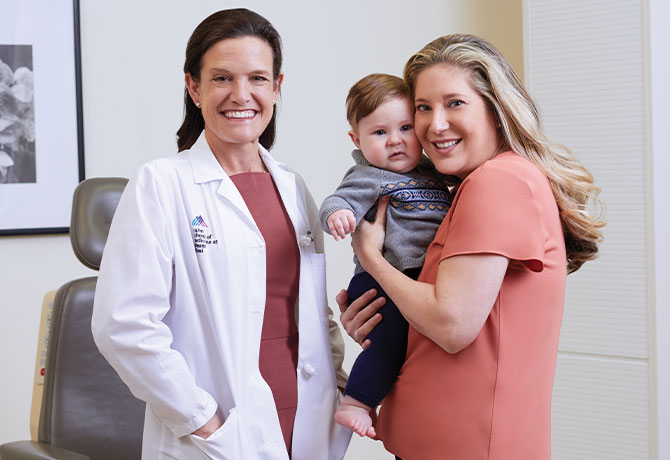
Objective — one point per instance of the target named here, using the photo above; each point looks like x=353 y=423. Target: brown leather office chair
x=87 y=411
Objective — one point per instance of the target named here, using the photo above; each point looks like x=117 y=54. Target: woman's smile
x=239 y=114
x=455 y=126
x=446 y=144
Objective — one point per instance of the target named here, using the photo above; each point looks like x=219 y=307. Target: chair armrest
x=30 y=450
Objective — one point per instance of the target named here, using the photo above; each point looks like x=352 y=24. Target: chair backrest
x=93 y=207
x=86 y=407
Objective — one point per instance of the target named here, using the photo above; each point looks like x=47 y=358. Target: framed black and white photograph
x=41 y=135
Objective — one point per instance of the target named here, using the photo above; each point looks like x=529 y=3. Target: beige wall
x=132 y=87
x=501 y=22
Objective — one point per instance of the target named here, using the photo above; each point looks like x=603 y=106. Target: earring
x=273 y=102
x=197 y=104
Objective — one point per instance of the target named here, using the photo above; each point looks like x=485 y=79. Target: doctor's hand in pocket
x=208 y=428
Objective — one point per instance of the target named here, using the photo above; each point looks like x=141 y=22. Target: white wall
x=659 y=99
x=132 y=55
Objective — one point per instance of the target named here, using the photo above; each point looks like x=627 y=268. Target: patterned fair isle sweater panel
x=418 y=202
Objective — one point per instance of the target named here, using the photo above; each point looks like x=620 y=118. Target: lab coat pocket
x=319 y=271
x=319 y=260
x=318 y=285
x=226 y=443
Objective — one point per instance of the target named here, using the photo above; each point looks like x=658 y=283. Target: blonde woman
x=485 y=313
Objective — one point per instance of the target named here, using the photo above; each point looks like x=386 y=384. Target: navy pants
x=377 y=367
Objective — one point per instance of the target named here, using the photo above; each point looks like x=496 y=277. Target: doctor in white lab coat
x=181 y=292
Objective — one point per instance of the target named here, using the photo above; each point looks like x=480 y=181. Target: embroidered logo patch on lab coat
x=202 y=239
x=199 y=222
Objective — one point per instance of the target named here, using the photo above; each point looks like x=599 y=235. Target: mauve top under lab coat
x=278 y=356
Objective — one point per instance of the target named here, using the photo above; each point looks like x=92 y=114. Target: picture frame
x=41 y=125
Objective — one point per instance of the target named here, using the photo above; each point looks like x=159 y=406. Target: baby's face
x=386 y=136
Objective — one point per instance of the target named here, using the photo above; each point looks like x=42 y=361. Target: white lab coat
x=179 y=310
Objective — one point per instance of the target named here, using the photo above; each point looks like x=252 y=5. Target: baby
x=389 y=161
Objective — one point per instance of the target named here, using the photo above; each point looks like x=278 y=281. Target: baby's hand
x=341 y=223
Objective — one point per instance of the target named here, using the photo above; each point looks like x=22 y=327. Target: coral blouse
x=491 y=400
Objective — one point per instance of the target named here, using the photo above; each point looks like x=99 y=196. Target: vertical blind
x=587 y=74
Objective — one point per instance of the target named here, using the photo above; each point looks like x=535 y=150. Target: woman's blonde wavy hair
x=502 y=90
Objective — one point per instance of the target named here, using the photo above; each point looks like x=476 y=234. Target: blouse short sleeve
x=495 y=212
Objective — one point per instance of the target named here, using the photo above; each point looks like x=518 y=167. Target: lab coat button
x=306 y=239
x=308 y=370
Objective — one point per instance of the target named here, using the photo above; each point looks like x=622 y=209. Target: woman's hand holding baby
x=368 y=242
x=361 y=316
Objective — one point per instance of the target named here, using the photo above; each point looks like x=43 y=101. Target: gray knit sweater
x=419 y=200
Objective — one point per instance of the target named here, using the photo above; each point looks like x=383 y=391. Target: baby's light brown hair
x=372 y=91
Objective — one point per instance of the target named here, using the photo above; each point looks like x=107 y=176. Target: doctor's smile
x=237 y=114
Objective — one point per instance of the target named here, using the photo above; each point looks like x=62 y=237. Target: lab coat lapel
x=286 y=184
x=206 y=168
x=228 y=191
